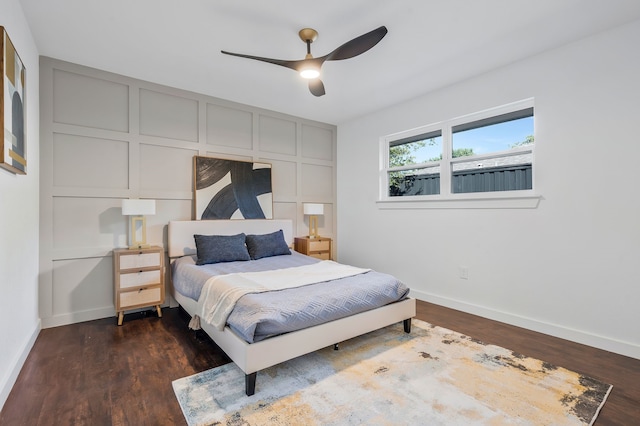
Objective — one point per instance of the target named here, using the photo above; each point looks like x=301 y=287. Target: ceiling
x=430 y=44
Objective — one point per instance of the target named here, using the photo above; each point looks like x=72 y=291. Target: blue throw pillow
x=267 y=245
x=220 y=248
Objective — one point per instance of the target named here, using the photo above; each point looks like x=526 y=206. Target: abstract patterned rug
x=432 y=376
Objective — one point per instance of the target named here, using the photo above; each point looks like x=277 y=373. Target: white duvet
x=221 y=292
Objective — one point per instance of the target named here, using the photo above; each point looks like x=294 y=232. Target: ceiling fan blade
x=294 y=65
x=358 y=45
x=316 y=87
x=282 y=62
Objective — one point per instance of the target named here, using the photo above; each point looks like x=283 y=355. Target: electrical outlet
x=463 y=272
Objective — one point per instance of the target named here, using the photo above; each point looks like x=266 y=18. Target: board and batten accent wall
x=105 y=137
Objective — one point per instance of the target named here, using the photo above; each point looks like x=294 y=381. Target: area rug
x=432 y=376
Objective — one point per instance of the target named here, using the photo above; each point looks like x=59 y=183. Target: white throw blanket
x=221 y=292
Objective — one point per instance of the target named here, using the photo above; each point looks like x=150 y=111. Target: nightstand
x=138 y=279
x=319 y=247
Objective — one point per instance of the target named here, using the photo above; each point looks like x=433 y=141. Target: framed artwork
x=12 y=108
x=229 y=189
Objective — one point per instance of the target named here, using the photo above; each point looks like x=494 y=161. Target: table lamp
x=313 y=210
x=137 y=209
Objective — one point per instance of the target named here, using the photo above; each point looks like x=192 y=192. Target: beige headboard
x=180 y=234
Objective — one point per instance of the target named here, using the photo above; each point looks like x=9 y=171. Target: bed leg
x=407 y=325
x=335 y=347
x=250 y=383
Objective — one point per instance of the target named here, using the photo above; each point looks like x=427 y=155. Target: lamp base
x=313 y=227
x=138 y=242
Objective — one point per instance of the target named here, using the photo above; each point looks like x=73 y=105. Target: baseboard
x=10 y=379
x=92 y=314
x=596 y=341
x=75 y=317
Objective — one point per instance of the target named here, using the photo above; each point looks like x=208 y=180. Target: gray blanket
x=262 y=315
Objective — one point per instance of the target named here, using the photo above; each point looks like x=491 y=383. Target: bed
x=266 y=351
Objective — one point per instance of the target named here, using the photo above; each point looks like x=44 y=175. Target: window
x=488 y=152
x=415 y=165
x=493 y=154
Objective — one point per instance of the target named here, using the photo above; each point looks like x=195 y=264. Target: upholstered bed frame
x=252 y=357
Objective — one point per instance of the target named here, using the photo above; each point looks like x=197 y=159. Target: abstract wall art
x=12 y=107
x=229 y=189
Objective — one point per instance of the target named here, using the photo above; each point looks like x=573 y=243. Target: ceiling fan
x=309 y=67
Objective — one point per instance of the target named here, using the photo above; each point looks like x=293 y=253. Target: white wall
x=19 y=322
x=567 y=268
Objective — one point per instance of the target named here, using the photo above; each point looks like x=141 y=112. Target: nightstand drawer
x=323 y=245
x=148 y=296
x=136 y=279
x=142 y=260
x=323 y=256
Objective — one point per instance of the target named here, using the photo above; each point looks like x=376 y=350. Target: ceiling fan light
x=310 y=73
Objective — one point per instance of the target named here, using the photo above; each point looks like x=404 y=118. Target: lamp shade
x=313 y=208
x=138 y=207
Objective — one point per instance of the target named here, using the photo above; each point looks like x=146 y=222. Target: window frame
x=525 y=198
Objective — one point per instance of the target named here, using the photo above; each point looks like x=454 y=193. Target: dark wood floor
x=96 y=373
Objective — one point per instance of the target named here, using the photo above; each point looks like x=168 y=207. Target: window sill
x=462 y=201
